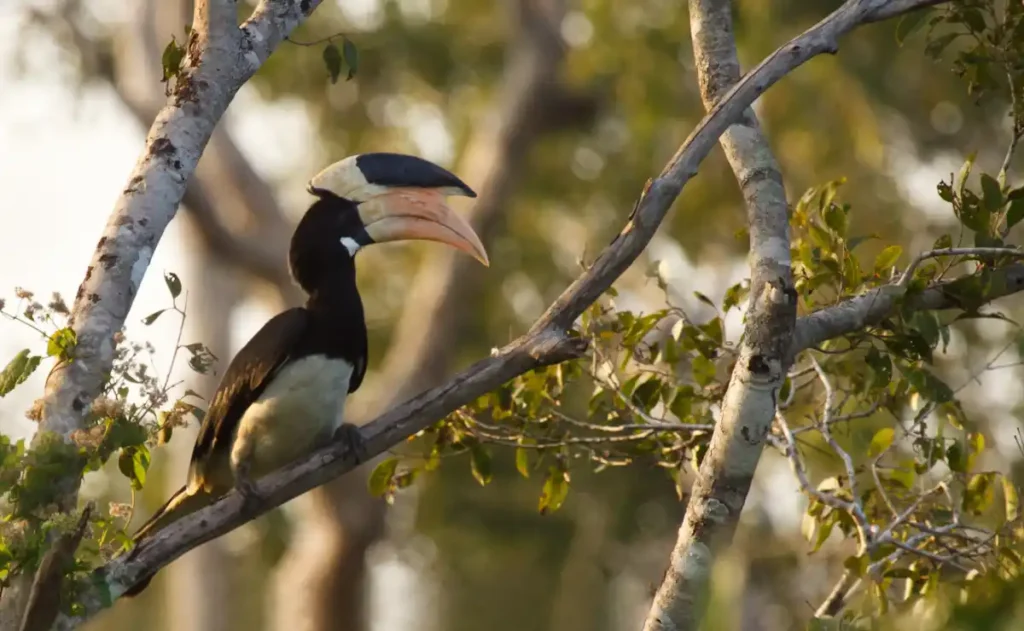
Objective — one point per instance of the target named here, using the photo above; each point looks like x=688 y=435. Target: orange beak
x=403 y=213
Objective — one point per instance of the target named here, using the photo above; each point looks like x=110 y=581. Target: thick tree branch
x=726 y=472
x=547 y=342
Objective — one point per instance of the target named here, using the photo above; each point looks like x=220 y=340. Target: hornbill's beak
x=402 y=197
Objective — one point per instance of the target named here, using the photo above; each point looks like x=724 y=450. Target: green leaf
x=126 y=465
x=965 y=170
x=991 y=193
x=928 y=385
x=979 y=493
x=151 y=318
x=171 y=59
x=881 y=367
x=646 y=394
x=701 y=297
x=173 y=284
x=523 y=459
x=480 y=464
x=1015 y=213
x=825 y=525
x=887 y=258
x=332 y=59
x=956 y=458
x=881 y=441
x=1012 y=499
x=140 y=465
x=857 y=565
x=17 y=371
x=556 y=488
x=682 y=404
x=379 y=482
x=943 y=243
x=835 y=218
x=972 y=214
x=927 y=324
x=62 y=343
x=703 y=370
x=351 y=58
x=713 y=329
x=734 y=295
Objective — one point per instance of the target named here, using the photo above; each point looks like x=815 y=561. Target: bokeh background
x=556 y=112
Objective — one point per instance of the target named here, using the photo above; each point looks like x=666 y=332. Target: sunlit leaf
x=980 y=492
x=18 y=370
x=881 y=441
x=523 y=458
x=61 y=343
x=556 y=488
x=480 y=464
x=379 y=482
x=887 y=258
x=1011 y=498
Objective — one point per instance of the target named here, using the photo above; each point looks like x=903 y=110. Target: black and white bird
x=283 y=395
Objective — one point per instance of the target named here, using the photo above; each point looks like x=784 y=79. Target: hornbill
x=283 y=394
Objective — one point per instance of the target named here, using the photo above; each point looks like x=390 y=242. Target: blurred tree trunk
x=197 y=585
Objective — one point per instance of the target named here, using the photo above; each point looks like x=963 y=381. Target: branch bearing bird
x=283 y=395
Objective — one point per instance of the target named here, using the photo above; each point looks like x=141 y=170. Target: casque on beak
x=402 y=197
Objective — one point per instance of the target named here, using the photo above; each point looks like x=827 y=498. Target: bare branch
x=876 y=305
x=908 y=275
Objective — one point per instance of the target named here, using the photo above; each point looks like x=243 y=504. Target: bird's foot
x=348 y=434
x=245 y=485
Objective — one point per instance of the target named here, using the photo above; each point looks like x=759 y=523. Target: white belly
x=300 y=409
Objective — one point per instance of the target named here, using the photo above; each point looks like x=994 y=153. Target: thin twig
x=905 y=279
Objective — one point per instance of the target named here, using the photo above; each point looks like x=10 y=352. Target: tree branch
x=876 y=305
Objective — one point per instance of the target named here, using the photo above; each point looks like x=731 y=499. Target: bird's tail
x=182 y=503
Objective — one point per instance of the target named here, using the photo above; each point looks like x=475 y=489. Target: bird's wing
x=243 y=382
